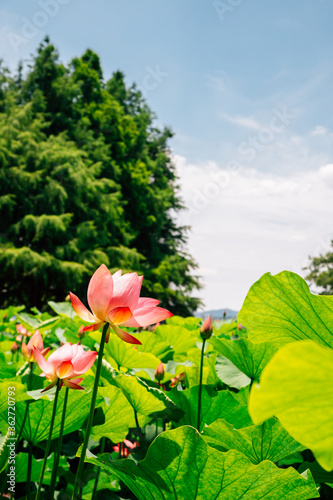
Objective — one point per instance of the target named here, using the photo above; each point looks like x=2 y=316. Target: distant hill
x=217 y=314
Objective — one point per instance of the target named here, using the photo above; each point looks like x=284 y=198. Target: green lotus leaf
x=250 y=358
x=214 y=405
x=281 y=309
x=180 y=465
x=297 y=387
x=268 y=441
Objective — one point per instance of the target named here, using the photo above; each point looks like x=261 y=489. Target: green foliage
x=321 y=272
x=268 y=441
x=249 y=358
x=281 y=309
x=297 y=387
x=39 y=416
x=86 y=178
x=263 y=440
x=215 y=405
x=196 y=471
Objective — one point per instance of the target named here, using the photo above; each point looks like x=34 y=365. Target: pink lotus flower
x=37 y=342
x=124 y=450
x=21 y=329
x=177 y=379
x=115 y=299
x=64 y=364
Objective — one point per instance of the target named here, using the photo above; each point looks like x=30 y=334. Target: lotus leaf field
x=238 y=410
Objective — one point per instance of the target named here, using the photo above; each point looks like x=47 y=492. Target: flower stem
x=78 y=480
x=31 y=366
x=58 y=451
x=98 y=470
x=48 y=444
x=29 y=470
x=200 y=383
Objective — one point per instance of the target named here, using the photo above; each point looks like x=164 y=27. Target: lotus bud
x=14 y=348
x=159 y=372
x=206 y=329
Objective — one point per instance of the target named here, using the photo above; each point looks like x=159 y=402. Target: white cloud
x=326 y=174
x=241 y=121
x=319 y=130
x=249 y=222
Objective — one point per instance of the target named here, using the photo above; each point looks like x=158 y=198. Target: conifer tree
x=85 y=178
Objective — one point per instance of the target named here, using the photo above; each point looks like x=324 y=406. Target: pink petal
x=50 y=386
x=26 y=351
x=41 y=361
x=77 y=349
x=21 y=329
x=93 y=328
x=129 y=444
x=45 y=351
x=65 y=370
x=126 y=290
x=81 y=309
x=148 y=316
x=126 y=337
x=83 y=361
x=147 y=302
x=36 y=340
x=100 y=292
x=119 y=315
x=64 y=353
x=72 y=385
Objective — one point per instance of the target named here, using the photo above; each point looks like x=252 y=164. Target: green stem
x=137 y=422
x=48 y=444
x=31 y=365
x=78 y=480
x=200 y=383
x=98 y=470
x=58 y=450
x=29 y=470
x=24 y=420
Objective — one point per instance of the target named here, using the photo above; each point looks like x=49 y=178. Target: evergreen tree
x=85 y=178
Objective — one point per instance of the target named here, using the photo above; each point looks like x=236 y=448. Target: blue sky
x=221 y=74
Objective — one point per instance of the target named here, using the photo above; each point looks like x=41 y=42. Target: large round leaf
x=180 y=465
x=281 y=309
x=297 y=387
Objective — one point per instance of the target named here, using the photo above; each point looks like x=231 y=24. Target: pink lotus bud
x=206 y=329
x=159 y=372
x=115 y=299
x=65 y=364
x=15 y=347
